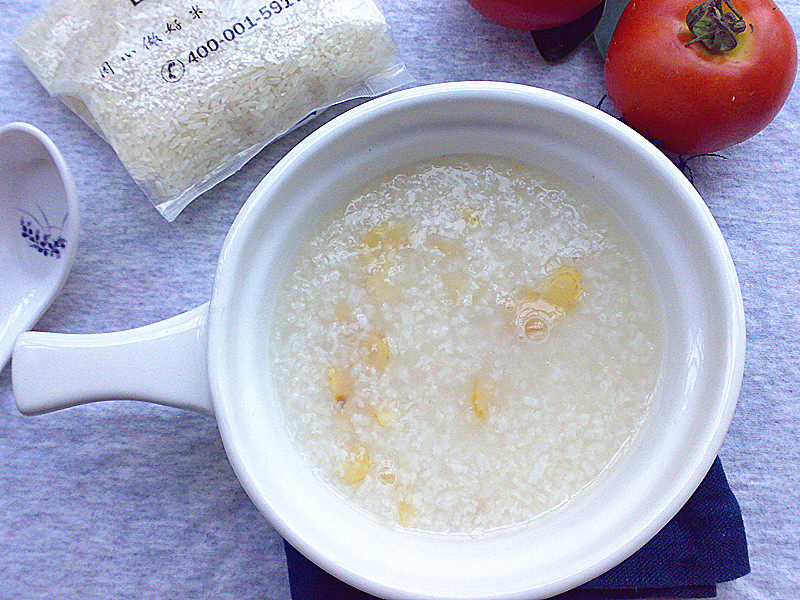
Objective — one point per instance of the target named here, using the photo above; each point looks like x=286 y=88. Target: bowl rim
x=235 y=243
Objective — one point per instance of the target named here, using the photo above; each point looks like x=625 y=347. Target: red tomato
x=688 y=99
x=533 y=14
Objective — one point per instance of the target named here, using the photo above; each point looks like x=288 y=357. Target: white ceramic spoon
x=38 y=228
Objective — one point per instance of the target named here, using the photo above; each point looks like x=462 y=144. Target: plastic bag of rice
x=187 y=91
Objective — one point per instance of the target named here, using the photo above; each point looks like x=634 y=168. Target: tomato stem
x=733 y=10
x=714 y=27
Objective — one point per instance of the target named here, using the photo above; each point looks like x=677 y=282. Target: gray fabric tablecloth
x=128 y=500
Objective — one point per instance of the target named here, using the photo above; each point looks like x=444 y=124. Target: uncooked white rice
x=187 y=91
x=458 y=240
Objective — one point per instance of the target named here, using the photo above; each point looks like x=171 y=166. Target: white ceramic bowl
x=697 y=286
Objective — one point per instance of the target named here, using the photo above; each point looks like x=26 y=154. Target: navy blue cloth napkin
x=704 y=544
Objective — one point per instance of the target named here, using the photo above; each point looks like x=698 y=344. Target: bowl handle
x=163 y=363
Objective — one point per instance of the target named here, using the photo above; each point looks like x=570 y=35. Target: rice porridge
x=467 y=344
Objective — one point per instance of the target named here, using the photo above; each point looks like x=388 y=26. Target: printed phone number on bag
x=240 y=28
x=173 y=69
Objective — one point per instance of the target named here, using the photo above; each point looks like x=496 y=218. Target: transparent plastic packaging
x=187 y=91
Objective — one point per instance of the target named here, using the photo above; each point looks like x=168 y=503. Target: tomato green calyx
x=714 y=27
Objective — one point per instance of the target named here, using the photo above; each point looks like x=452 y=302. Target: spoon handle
x=163 y=363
